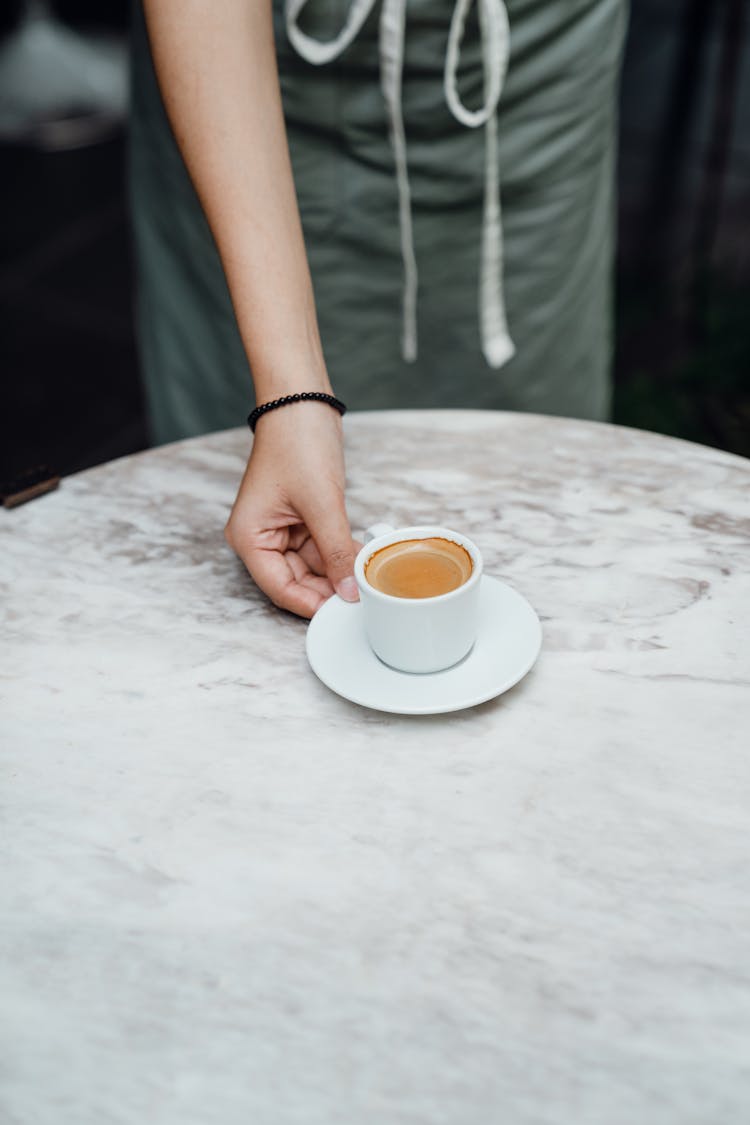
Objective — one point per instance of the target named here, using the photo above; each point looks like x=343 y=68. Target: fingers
x=302 y=593
x=335 y=547
x=304 y=574
x=309 y=553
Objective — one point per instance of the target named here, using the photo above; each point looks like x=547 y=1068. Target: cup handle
x=376 y=530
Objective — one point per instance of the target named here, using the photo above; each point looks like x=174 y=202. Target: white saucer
x=510 y=637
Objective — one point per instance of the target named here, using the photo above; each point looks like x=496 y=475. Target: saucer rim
x=436 y=709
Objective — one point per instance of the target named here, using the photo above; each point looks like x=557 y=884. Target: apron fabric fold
x=454 y=165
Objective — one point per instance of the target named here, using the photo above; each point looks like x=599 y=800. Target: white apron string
x=392 y=21
x=497 y=345
x=312 y=49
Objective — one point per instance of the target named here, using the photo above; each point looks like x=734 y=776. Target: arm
x=216 y=64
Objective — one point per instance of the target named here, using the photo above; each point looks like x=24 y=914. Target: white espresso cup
x=419 y=634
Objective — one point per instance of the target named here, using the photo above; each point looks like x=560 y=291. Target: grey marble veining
x=229 y=896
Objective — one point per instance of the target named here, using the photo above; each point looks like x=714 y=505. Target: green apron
x=554 y=158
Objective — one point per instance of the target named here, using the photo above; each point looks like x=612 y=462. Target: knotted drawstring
x=497 y=345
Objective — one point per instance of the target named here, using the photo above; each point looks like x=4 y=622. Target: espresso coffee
x=419 y=568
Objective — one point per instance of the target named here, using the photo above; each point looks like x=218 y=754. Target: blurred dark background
x=69 y=367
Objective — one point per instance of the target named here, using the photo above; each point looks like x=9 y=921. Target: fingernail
x=347 y=589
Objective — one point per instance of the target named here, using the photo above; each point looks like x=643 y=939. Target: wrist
x=298 y=426
x=297 y=382
x=296 y=367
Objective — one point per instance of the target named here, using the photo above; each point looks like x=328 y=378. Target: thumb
x=330 y=529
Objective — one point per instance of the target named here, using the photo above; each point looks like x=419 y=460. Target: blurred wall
x=683 y=362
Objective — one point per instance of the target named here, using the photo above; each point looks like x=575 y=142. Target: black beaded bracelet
x=305 y=396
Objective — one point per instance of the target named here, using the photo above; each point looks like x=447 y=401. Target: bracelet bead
x=302 y=396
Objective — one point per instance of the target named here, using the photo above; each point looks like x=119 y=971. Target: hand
x=289 y=524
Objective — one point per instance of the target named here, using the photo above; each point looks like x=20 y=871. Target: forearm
x=216 y=64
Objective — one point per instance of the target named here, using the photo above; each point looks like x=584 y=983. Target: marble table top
x=230 y=896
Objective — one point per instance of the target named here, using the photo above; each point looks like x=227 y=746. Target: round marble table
x=230 y=896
